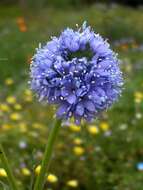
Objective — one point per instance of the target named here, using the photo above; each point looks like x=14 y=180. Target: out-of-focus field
x=105 y=155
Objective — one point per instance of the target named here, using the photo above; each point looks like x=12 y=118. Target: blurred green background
x=105 y=155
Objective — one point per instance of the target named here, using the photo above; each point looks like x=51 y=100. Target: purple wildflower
x=78 y=72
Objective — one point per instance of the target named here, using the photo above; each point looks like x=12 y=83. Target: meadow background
x=105 y=155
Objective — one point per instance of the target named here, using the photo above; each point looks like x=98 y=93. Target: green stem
x=7 y=168
x=47 y=156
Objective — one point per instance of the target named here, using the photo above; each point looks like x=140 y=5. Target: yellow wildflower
x=138 y=94
x=52 y=178
x=7 y=126
x=74 y=128
x=37 y=169
x=104 y=126
x=17 y=107
x=93 y=130
x=25 y=171
x=23 y=127
x=4 y=107
x=77 y=141
x=11 y=100
x=78 y=150
x=9 y=81
x=138 y=97
x=28 y=92
x=28 y=95
x=37 y=125
x=72 y=183
x=15 y=116
x=3 y=173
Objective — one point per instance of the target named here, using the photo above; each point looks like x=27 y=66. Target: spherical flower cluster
x=78 y=72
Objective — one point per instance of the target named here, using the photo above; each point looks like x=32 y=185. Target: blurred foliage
x=21 y=38
x=65 y=3
x=103 y=155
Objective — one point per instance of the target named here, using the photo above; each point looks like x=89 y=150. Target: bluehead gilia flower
x=78 y=72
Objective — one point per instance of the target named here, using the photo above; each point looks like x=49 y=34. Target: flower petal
x=62 y=110
x=71 y=99
x=89 y=105
x=79 y=109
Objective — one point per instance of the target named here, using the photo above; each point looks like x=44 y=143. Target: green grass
x=110 y=157
x=115 y=23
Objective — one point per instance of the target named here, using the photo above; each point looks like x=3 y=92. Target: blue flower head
x=78 y=72
x=140 y=166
